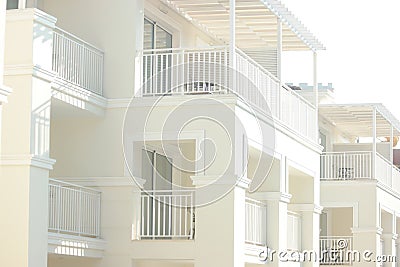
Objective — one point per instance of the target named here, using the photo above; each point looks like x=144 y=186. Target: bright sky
x=362 y=59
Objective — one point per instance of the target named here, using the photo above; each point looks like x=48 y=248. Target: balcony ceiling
x=356 y=120
x=256 y=23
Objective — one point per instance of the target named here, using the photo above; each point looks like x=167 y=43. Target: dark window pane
x=12 y=4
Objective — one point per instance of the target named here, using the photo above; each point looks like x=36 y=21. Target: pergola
x=363 y=120
x=257 y=23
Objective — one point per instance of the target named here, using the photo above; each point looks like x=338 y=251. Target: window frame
x=155 y=24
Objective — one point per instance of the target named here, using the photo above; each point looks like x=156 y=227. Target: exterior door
x=157 y=171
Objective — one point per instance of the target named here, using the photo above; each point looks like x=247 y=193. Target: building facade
x=159 y=133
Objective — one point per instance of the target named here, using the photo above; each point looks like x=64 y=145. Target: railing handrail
x=346 y=152
x=78 y=40
x=66 y=184
x=168 y=191
x=252 y=61
x=182 y=50
x=383 y=158
x=298 y=96
x=334 y=237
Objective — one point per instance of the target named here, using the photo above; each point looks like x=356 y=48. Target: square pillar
x=25 y=139
x=277 y=210
x=220 y=224
x=367 y=241
x=310 y=219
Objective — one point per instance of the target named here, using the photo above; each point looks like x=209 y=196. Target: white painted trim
x=118 y=181
x=29 y=69
x=67 y=89
x=252 y=253
x=122 y=103
x=31 y=14
x=302 y=168
x=226 y=99
x=71 y=245
x=173 y=27
x=317 y=209
x=353 y=205
x=360 y=230
x=203 y=180
x=272 y=196
x=391 y=236
x=27 y=160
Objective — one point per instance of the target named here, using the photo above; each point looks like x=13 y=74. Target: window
x=156 y=63
x=12 y=4
x=156 y=170
x=155 y=37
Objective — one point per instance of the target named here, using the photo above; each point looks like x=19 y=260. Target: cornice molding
x=361 y=230
x=204 y=180
x=272 y=196
x=317 y=209
x=33 y=14
x=26 y=160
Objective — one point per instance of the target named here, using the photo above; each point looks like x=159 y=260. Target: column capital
x=393 y=236
x=360 y=230
x=272 y=196
x=30 y=159
x=317 y=209
x=203 y=180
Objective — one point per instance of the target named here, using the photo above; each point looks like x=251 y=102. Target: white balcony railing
x=77 y=62
x=256 y=222
x=167 y=214
x=335 y=250
x=74 y=209
x=346 y=165
x=359 y=165
x=206 y=70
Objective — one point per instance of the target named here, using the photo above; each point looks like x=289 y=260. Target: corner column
x=220 y=224
x=25 y=141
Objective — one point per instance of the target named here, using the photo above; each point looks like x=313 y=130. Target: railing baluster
x=77 y=62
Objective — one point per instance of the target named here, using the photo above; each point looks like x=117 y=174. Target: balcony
x=167 y=214
x=207 y=71
x=76 y=62
x=359 y=165
x=335 y=250
x=74 y=220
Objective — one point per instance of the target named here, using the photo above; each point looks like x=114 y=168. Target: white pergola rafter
x=357 y=120
x=256 y=21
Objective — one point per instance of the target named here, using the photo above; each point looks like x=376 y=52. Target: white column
x=4 y=91
x=374 y=143
x=389 y=236
x=25 y=161
x=232 y=45
x=279 y=48
x=391 y=153
x=316 y=97
x=232 y=31
x=277 y=212
x=220 y=226
x=279 y=63
x=139 y=22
